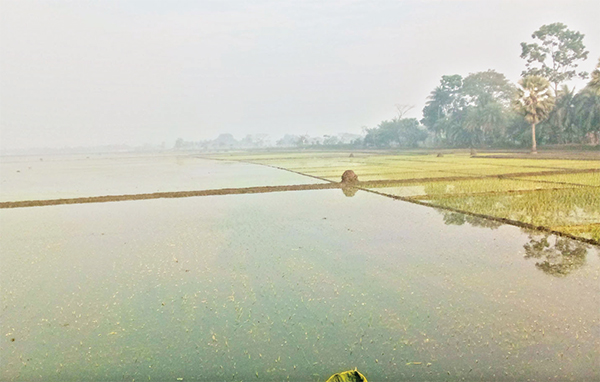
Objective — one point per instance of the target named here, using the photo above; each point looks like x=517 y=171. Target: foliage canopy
x=556 y=55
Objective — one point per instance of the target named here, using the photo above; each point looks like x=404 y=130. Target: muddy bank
x=160 y=195
x=266 y=189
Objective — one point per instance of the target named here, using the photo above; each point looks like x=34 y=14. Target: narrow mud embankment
x=362 y=185
x=173 y=194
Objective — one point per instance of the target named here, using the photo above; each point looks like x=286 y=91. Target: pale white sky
x=84 y=73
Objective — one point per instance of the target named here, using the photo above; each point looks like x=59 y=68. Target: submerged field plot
x=561 y=195
x=289 y=286
x=292 y=285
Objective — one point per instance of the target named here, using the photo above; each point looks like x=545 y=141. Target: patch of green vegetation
x=348 y=376
x=316 y=160
x=588 y=179
x=402 y=175
x=569 y=164
x=589 y=231
x=484 y=170
x=549 y=208
x=457 y=188
x=539 y=163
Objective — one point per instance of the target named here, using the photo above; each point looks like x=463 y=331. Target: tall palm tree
x=534 y=101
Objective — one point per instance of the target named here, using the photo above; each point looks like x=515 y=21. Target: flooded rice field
x=286 y=286
x=54 y=177
x=544 y=192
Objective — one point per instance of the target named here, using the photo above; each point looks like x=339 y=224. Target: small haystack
x=349 y=177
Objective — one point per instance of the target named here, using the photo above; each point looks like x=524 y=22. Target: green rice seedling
x=589 y=179
x=474 y=186
x=483 y=170
x=359 y=170
x=403 y=175
x=548 y=208
x=573 y=164
x=588 y=231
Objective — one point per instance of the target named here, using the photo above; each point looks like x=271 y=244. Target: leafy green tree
x=587 y=107
x=470 y=111
x=594 y=84
x=490 y=86
x=484 y=121
x=534 y=101
x=410 y=132
x=444 y=101
x=405 y=132
x=562 y=127
x=330 y=140
x=384 y=135
x=556 y=55
x=517 y=131
x=488 y=96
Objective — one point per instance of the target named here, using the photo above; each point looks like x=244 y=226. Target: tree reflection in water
x=455 y=218
x=557 y=256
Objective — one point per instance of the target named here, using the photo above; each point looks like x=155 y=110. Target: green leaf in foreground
x=348 y=376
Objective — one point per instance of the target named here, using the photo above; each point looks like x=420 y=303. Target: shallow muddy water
x=54 y=177
x=291 y=285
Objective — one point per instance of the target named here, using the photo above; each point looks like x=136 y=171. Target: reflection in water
x=349 y=191
x=559 y=258
x=455 y=218
x=262 y=288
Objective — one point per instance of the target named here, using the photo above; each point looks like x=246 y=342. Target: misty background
x=91 y=73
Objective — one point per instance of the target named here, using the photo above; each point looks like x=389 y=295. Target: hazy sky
x=109 y=72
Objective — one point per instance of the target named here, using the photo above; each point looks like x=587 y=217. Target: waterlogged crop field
x=561 y=195
x=293 y=285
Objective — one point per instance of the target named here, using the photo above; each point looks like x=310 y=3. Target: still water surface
x=61 y=176
x=292 y=285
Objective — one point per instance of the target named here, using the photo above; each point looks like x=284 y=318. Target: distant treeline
x=479 y=111
x=484 y=109
x=257 y=141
